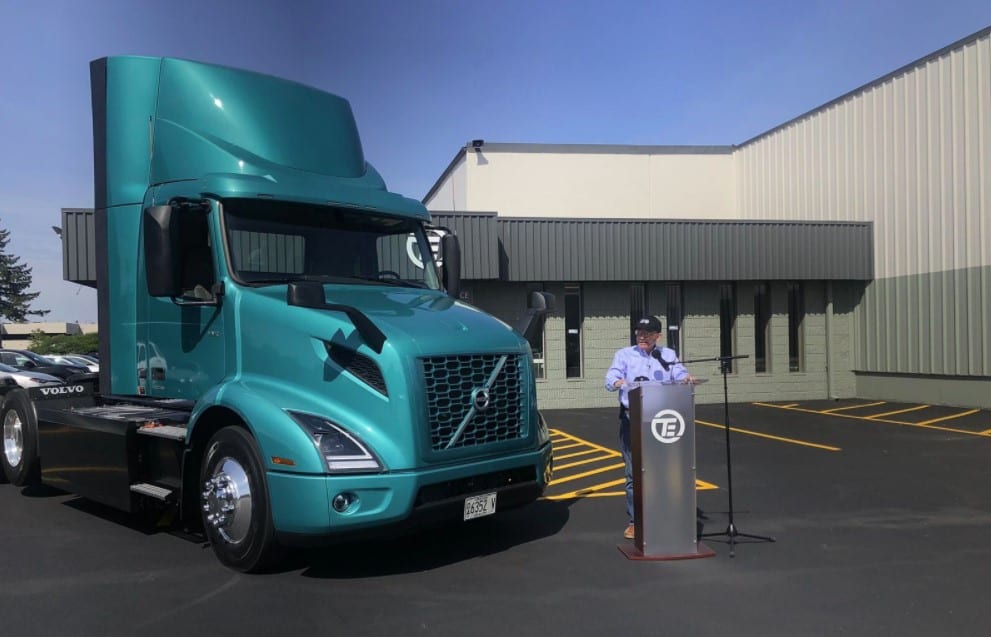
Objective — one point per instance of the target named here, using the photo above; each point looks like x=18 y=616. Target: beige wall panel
x=601 y=185
x=692 y=186
x=559 y=185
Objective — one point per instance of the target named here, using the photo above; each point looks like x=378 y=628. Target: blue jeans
x=624 y=449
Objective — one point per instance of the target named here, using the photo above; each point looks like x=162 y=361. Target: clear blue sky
x=424 y=77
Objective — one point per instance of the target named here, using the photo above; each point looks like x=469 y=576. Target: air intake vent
x=358 y=365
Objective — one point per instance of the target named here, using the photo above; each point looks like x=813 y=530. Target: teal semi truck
x=284 y=358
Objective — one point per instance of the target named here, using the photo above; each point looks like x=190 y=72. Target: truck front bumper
x=302 y=508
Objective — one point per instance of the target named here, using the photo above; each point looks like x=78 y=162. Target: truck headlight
x=341 y=451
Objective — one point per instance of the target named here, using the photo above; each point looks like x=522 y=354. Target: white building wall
x=450 y=193
x=593 y=184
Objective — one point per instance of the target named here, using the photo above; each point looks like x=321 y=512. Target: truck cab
x=284 y=357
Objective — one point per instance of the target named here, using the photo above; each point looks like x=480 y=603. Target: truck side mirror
x=161 y=237
x=539 y=305
x=450 y=254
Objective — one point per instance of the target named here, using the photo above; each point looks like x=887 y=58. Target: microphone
x=656 y=353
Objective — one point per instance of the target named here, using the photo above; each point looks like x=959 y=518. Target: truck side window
x=196 y=257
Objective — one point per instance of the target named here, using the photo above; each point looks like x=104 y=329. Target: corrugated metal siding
x=664 y=250
x=79 y=246
x=913 y=154
x=479 y=239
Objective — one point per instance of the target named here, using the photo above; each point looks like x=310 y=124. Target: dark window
x=537 y=341
x=196 y=256
x=274 y=242
x=796 y=318
x=762 y=320
x=573 y=331
x=638 y=308
x=675 y=313
x=727 y=318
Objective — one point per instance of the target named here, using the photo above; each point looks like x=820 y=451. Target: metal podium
x=662 y=433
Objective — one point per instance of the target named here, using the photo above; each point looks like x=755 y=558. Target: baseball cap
x=649 y=323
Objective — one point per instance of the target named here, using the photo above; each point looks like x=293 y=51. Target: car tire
x=19 y=432
x=237 y=518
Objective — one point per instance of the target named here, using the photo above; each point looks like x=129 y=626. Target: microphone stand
x=731 y=532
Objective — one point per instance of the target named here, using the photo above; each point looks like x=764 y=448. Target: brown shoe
x=629 y=532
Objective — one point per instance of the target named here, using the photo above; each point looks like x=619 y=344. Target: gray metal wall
x=665 y=250
x=479 y=237
x=912 y=153
x=554 y=249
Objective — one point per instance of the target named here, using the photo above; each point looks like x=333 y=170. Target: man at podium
x=644 y=361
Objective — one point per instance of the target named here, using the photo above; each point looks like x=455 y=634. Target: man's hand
x=619 y=383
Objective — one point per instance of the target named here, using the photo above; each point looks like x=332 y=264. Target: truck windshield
x=277 y=242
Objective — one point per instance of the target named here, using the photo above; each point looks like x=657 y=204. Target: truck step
x=170 y=432
x=152 y=491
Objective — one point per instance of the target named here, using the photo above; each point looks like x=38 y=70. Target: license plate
x=478 y=506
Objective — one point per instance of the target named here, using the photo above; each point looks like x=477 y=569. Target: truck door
x=184 y=352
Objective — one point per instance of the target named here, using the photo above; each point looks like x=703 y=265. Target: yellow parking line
x=702 y=485
x=900 y=411
x=950 y=417
x=835 y=409
x=563 y=447
x=577 y=453
x=578 y=476
x=586 y=442
x=923 y=425
x=559 y=467
x=597 y=490
x=769 y=436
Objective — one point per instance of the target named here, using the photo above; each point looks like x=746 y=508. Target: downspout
x=829 y=340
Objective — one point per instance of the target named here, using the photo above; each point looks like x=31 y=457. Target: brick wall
x=606 y=328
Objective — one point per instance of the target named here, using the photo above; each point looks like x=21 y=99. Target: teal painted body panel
x=211 y=118
x=184 y=131
x=122 y=240
x=301 y=503
x=132 y=91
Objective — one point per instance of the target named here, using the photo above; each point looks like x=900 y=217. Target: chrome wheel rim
x=13 y=438
x=227 y=501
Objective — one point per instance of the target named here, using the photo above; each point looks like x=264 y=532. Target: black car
x=31 y=362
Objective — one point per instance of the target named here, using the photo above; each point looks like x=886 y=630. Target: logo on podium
x=668 y=426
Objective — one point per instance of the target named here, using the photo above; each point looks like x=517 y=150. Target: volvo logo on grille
x=480 y=398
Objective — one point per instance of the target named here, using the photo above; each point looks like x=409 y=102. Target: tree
x=15 y=279
x=64 y=343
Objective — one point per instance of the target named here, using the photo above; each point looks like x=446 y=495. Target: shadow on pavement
x=428 y=549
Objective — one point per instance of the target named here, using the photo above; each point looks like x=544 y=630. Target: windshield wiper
x=332 y=278
x=390 y=281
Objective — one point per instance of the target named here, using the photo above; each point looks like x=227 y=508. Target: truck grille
x=459 y=414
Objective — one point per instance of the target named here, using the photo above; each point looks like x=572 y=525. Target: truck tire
x=19 y=427
x=237 y=518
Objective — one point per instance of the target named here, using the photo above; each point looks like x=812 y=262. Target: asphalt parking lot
x=880 y=513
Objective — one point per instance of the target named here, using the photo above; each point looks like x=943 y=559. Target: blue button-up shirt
x=631 y=363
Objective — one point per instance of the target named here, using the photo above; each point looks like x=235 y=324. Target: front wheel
x=19 y=425
x=237 y=517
